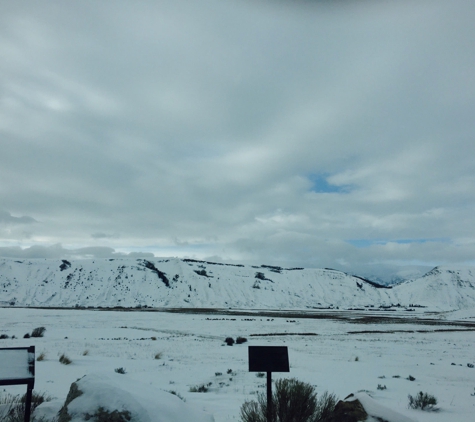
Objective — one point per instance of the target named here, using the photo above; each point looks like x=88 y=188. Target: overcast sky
x=293 y=133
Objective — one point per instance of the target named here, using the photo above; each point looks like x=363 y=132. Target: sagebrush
x=292 y=401
x=422 y=401
x=38 y=332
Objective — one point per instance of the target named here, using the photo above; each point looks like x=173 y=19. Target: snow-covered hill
x=188 y=283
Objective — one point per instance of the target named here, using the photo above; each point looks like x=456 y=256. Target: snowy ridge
x=176 y=282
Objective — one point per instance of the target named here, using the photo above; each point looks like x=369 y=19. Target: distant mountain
x=175 y=282
x=390 y=275
x=441 y=289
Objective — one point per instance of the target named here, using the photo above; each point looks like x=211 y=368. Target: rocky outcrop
x=349 y=411
x=74 y=393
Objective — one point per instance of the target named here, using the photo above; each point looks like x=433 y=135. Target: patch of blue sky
x=366 y=243
x=320 y=184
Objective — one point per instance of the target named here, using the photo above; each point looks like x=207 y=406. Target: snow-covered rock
x=376 y=411
x=106 y=394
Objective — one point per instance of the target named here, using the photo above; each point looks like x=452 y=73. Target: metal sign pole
x=29 y=393
x=269 y=397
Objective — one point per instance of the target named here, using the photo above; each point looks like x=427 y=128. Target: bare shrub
x=177 y=394
x=325 y=407
x=120 y=370
x=41 y=357
x=12 y=407
x=158 y=355
x=200 y=388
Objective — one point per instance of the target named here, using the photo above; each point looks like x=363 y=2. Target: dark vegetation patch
x=162 y=276
x=65 y=265
x=38 y=332
x=327 y=313
x=373 y=283
x=211 y=263
x=220 y=319
x=261 y=276
x=283 y=334
x=273 y=268
x=202 y=273
x=439 y=330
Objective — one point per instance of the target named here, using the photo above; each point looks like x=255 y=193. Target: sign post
x=17 y=366
x=269 y=359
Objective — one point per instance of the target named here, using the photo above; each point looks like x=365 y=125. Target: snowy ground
x=193 y=354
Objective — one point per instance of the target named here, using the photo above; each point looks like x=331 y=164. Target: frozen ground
x=346 y=356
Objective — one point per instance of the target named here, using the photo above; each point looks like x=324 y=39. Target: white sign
x=16 y=364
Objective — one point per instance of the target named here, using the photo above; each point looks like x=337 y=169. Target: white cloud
x=130 y=127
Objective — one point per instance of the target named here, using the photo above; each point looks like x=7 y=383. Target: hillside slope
x=188 y=283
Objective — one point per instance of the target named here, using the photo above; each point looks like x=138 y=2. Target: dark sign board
x=268 y=359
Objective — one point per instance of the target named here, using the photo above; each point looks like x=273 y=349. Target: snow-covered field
x=191 y=353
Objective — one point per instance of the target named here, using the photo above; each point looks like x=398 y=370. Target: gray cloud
x=199 y=129
x=8 y=219
x=57 y=251
x=103 y=236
